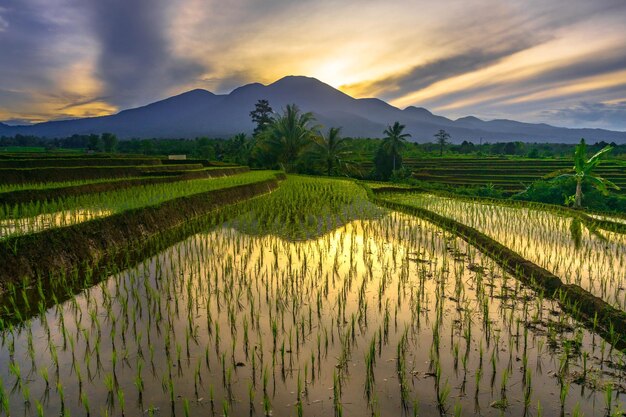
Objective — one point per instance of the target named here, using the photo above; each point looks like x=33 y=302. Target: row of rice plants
x=35 y=216
x=385 y=316
x=593 y=259
x=7 y=188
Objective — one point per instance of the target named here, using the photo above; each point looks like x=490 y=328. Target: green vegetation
x=286 y=136
x=442 y=139
x=540 y=236
x=261 y=116
x=308 y=292
x=331 y=151
x=583 y=173
x=394 y=141
x=329 y=204
x=264 y=294
x=7 y=188
x=31 y=217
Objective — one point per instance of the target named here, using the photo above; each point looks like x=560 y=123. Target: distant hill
x=202 y=113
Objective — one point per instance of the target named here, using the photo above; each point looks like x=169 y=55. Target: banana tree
x=583 y=172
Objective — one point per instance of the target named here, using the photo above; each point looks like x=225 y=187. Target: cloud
x=611 y=115
x=514 y=59
x=423 y=76
x=135 y=61
x=17 y=122
x=4 y=25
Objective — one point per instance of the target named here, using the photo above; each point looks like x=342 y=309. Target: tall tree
x=288 y=134
x=383 y=163
x=239 y=146
x=443 y=138
x=582 y=171
x=394 y=141
x=261 y=115
x=95 y=143
x=330 y=150
x=204 y=148
x=110 y=142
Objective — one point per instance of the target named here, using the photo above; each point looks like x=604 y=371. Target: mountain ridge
x=200 y=112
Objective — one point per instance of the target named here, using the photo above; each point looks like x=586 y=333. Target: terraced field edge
x=592 y=311
x=89 y=245
x=49 y=194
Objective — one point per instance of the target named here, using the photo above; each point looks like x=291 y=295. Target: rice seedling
x=307 y=301
x=598 y=263
x=26 y=218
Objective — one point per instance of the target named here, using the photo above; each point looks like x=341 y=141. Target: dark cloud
x=76 y=103
x=26 y=59
x=427 y=74
x=43 y=43
x=611 y=115
x=136 y=62
x=566 y=72
x=224 y=85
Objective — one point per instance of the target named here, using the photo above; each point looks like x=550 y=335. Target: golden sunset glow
x=487 y=58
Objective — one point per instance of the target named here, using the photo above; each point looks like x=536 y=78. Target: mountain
x=202 y=113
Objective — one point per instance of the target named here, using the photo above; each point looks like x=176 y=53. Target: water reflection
x=231 y=323
x=22 y=226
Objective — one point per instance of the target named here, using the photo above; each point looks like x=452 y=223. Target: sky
x=561 y=62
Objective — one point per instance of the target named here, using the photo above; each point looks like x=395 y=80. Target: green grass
x=7 y=188
x=307 y=207
x=502 y=173
x=18 y=149
x=131 y=198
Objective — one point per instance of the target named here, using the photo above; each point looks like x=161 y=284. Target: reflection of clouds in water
x=12 y=227
x=197 y=305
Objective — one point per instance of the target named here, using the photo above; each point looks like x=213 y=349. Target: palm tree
x=241 y=146
x=443 y=138
x=330 y=150
x=582 y=171
x=394 y=140
x=288 y=134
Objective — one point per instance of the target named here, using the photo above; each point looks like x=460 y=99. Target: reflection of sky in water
x=41 y=222
x=609 y=218
x=346 y=288
x=545 y=239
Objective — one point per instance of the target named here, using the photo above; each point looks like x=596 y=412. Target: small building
x=177 y=157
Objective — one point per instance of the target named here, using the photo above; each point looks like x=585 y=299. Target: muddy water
x=545 y=238
x=225 y=314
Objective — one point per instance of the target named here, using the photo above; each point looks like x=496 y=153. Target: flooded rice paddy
x=598 y=265
x=26 y=225
x=389 y=316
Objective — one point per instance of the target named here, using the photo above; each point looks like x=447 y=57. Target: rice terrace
x=431 y=222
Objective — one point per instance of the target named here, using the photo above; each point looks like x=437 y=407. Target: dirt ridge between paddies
x=77 y=162
x=50 y=174
x=592 y=311
x=94 y=243
x=49 y=194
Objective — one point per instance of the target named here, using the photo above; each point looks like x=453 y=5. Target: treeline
x=106 y=142
x=292 y=140
x=363 y=148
